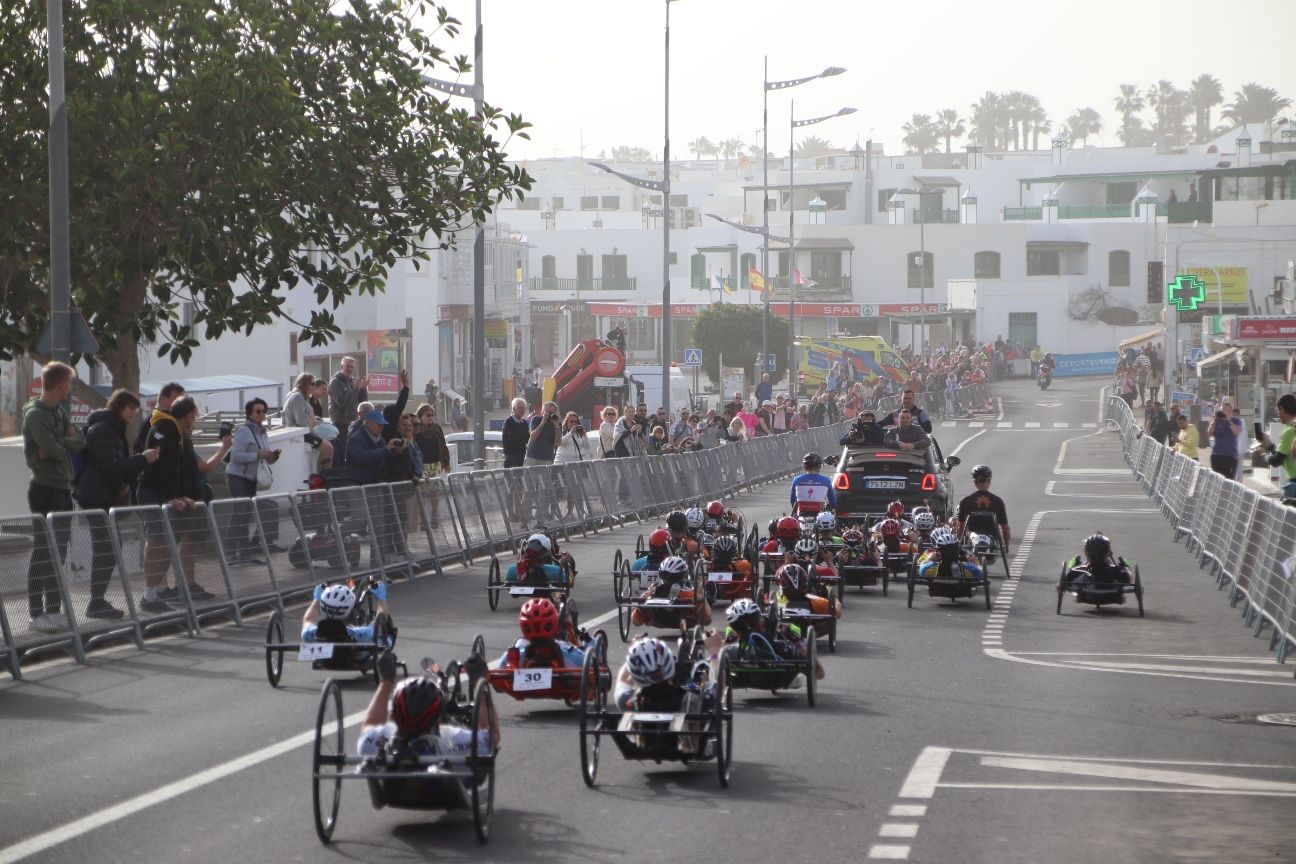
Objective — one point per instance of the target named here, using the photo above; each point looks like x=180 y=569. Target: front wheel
x=593 y=700
x=483 y=763
x=812 y=663
x=329 y=753
x=493 y=578
x=1138 y=589
x=274 y=656
x=723 y=723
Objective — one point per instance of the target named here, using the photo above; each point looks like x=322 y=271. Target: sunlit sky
x=588 y=73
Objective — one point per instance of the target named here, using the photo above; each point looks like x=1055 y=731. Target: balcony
x=1023 y=214
x=619 y=284
x=1094 y=211
x=1186 y=212
x=935 y=217
x=824 y=288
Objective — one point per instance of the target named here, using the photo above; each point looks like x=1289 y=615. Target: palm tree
x=920 y=134
x=1204 y=94
x=731 y=148
x=1128 y=104
x=1254 y=104
x=987 y=120
x=701 y=147
x=1037 y=118
x=1083 y=123
x=949 y=125
x=811 y=147
x=1171 y=107
x=1018 y=106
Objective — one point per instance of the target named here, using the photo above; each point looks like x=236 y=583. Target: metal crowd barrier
x=1245 y=541
x=218 y=561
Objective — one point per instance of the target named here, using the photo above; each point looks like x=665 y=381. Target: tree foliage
x=734 y=330
x=811 y=146
x=224 y=151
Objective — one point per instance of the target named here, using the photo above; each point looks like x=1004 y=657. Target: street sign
x=693 y=357
x=766 y=363
x=613 y=381
x=1197 y=355
x=1186 y=292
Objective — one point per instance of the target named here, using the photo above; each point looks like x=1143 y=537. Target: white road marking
x=894 y=853
x=1160 y=667
x=1060 y=787
x=1088 y=425
x=948 y=424
x=1049 y=487
x=908 y=810
x=1004 y=424
x=597 y=620
x=1036 y=425
x=1150 y=775
x=1061 y=425
x=63 y=833
x=925 y=773
x=906 y=830
x=1121 y=761
x=999 y=399
x=966 y=441
x=975 y=424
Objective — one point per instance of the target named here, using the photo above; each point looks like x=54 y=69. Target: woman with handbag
x=249 y=472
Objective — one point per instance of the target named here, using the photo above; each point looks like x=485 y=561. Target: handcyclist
x=651 y=680
x=326 y=616
x=747 y=641
x=946 y=560
x=677 y=525
x=812 y=491
x=854 y=549
x=537 y=555
x=540 y=644
x=1098 y=565
x=826 y=530
x=719 y=519
x=983 y=511
x=795 y=585
x=725 y=558
x=695 y=538
x=890 y=538
x=924 y=522
x=658 y=550
x=786 y=532
x=814 y=560
x=671 y=582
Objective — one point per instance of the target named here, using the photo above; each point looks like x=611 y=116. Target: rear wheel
x=593 y=701
x=274 y=656
x=723 y=723
x=911 y=579
x=1138 y=589
x=832 y=625
x=493 y=578
x=481 y=760
x=812 y=662
x=985 y=587
x=886 y=580
x=329 y=753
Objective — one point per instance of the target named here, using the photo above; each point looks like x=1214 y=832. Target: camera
x=1220 y=415
x=551 y=418
x=579 y=431
x=226 y=429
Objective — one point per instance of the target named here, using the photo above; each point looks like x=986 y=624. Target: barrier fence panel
x=1252 y=575
x=98 y=599
x=349 y=512
x=420 y=537
x=146 y=558
x=32 y=584
x=442 y=523
x=206 y=586
x=241 y=549
x=315 y=554
x=389 y=507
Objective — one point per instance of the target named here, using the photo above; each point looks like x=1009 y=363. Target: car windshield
x=874 y=460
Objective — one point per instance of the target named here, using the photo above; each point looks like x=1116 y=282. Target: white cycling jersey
x=449 y=740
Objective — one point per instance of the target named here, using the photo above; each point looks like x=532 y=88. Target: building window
x=1043 y=262
x=884 y=199
x=825 y=268
x=985 y=265
x=611 y=202
x=679 y=200
x=584 y=271
x=549 y=267
x=746 y=263
x=697 y=271
x=1023 y=328
x=921 y=265
x=782 y=264
x=589 y=202
x=1118 y=268
x=834 y=198
x=614 y=272
x=557 y=203
x=641 y=333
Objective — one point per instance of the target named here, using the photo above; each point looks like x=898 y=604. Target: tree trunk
x=122 y=358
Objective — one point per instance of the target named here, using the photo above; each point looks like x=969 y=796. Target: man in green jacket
x=49 y=440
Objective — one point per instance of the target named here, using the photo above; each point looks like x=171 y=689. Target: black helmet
x=1097 y=547
x=417 y=705
x=812 y=460
x=981 y=472
x=676 y=520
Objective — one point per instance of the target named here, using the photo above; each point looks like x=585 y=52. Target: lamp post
x=666 y=186
x=922 y=264
x=791 y=238
x=765 y=238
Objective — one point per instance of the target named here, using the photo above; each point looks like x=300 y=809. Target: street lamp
x=666 y=185
x=791 y=238
x=765 y=238
x=922 y=263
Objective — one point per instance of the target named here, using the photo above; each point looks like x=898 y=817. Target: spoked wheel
x=593 y=702
x=911 y=579
x=639 y=546
x=623 y=619
x=812 y=660
x=329 y=754
x=616 y=561
x=382 y=641
x=723 y=723
x=483 y=763
x=274 y=658
x=832 y=625
x=493 y=578
x=1061 y=588
x=1138 y=590
x=478 y=646
x=985 y=587
x=886 y=579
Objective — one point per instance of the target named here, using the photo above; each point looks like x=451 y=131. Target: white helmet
x=337 y=601
x=694 y=517
x=741 y=608
x=944 y=537
x=924 y=520
x=650 y=661
x=673 y=568
x=826 y=521
x=806 y=550
x=542 y=539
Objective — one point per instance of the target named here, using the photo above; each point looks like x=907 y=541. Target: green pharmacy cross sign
x=1186 y=292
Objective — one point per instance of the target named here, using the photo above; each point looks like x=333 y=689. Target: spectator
x=105 y=483
x=431 y=391
x=251 y=451
x=1142 y=374
x=736 y=404
x=431 y=441
x=781 y=413
x=1156 y=423
x=368 y=453
x=458 y=419
x=659 y=419
x=764 y=390
x=574 y=446
x=515 y=434
x=49 y=440
x=817 y=413
x=626 y=434
x=765 y=419
x=737 y=430
x=166 y=396
x=361 y=411
x=299 y=411
x=607 y=433
x=657 y=443
x=395 y=411
x=410 y=467
x=1223 y=435
x=680 y=428
x=907 y=435
x=1235 y=417
x=749 y=421
x=546 y=432
x=1187 y=441
x=318 y=393
x=345 y=394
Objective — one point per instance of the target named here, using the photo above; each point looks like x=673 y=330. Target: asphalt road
x=943 y=733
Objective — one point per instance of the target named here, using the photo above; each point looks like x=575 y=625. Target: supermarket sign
x=1266 y=328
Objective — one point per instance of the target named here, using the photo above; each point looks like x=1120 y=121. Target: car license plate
x=532 y=679
x=899 y=485
x=719 y=577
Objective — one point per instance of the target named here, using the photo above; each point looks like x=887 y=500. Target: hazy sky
x=591 y=70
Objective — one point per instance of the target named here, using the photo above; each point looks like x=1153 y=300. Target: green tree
x=949 y=125
x=1083 y=123
x=700 y=147
x=734 y=330
x=1128 y=104
x=989 y=120
x=631 y=154
x=1170 y=107
x=1204 y=93
x=812 y=146
x=224 y=151
x=1019 y=106
x=920 y=134
x=1254 y=104
x=731 y=148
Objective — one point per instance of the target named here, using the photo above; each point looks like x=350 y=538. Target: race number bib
x=658 y=601
x=315 y=651
x=521 y=592
x=653 y=718
x=532 y=679
x=719 y=577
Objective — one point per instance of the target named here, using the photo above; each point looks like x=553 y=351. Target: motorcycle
x=1045 y=378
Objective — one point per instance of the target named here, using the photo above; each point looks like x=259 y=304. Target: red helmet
x=417 y=705
x=889 y=528
x=715 y=510
x=538 y=619
x=794 y=580
x=659 y=541
x=788 y=528
x=895 y=509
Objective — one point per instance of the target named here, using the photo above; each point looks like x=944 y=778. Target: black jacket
x=175 y=473
x=514 y=437
x=109 y=466
x=392 y=414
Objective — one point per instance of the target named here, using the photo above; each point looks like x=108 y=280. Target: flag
x=722 y=284
x=755 y=281
x=796 y=278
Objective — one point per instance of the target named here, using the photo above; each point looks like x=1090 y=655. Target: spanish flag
x=755 y=281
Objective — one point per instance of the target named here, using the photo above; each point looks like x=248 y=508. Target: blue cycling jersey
x=813 y=487
x=931 y=568
x=644 y=564
x=553 y=573
x=357 y=634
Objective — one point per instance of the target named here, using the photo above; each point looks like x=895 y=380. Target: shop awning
x=1216 y=358
x=1142 y=337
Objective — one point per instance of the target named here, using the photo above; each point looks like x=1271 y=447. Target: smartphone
x=226 y=429
x=1259 y=432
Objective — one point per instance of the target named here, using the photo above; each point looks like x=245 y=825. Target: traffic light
x=1156 y=281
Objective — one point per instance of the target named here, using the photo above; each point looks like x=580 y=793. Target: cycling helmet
x=806 y=551
x=924 y=520
x=337 y=601
x=538 y=619
x=538 y=547
x=650 y=661
x=417 y=705
x=895 y=510
x=943 y=538
x=772 y=528
x=889 y=528
x=725 y=548
x=793 y=579
x=693 y=516
x=676 y=520
x=853 y=539
x=673 y=569
x=740 y=609
x=788 y=528
x=826 y=522
x=812 y=460
x=659 y=541
x=715 y=510
x=981 y=472
x=1097 y=548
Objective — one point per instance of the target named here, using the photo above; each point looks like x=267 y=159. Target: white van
x=645 y=384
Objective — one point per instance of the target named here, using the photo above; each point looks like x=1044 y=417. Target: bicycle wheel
x=329 y=752
x=483 y=764
x=723 y=723
x=593 y=699
x=274 y=656
x=493 y=578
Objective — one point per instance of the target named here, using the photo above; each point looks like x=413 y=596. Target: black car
x=870 y=477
